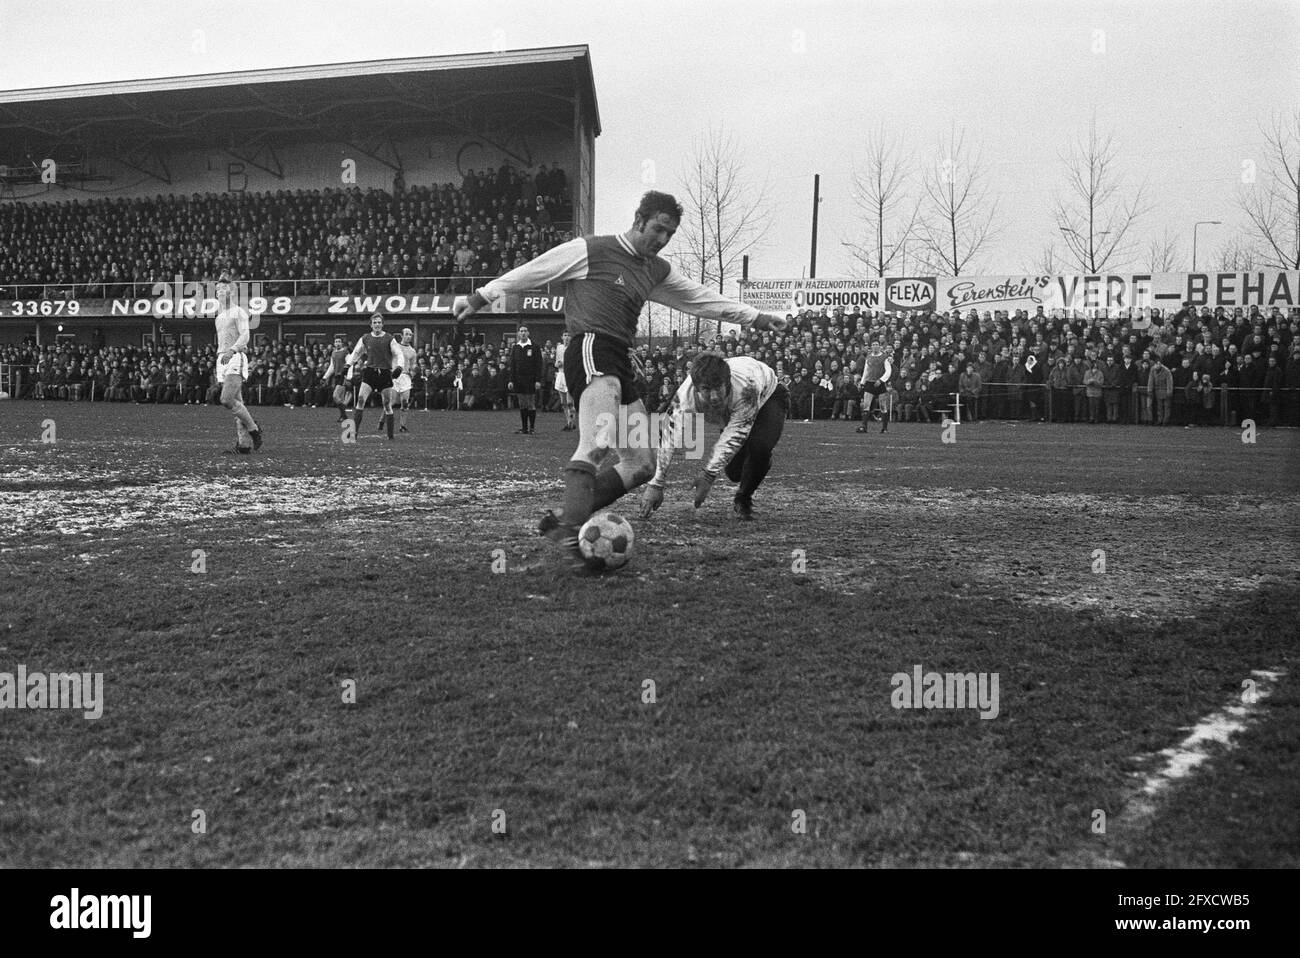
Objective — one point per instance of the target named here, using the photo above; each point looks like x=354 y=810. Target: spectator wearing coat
x=1093 y=385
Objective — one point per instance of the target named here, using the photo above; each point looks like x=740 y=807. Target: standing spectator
x=1252 y=382
x=1094 y=381
x=1015 y=401
x=800 y=396
x=1128 y=378
x=1208 y=397
x=970 y=386
x=908 y=397
x=1058 y=381
x=998 y=391
x=1182 y=380
x=1078 y=395
x=1160 y=384
x=1111 y=388
x=1141 y=390
x=846 y=395
x=1272 y=385
x=1033 y=387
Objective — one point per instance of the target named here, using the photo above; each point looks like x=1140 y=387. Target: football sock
x=356 y=414
x=389 y=416
x=523 y=418
x=607 y=488
x=579 y=482
x=532 y=419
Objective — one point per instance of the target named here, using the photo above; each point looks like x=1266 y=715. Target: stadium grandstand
x=328 y=191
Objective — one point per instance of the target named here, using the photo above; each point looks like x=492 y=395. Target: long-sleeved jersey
x=408 y=358
x=382 y=351
x=752 y=384
x=606 y=283
x=338 y=363
x=877 y=368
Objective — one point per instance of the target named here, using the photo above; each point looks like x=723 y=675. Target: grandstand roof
x=492 y=95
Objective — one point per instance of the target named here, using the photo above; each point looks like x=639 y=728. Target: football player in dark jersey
x=607 y=280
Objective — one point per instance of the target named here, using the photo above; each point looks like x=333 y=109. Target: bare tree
x=957 y=219
x=880 y=191
x=726 y=212
x=1237 y=253
x=1096 y=216
x=1270 y=195
x=1163 y=254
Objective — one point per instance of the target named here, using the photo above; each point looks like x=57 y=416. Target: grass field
x=520 y=696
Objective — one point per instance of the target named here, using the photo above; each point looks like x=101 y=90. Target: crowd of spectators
x=1243 y=364
x=493 y=221
x=1188 y=368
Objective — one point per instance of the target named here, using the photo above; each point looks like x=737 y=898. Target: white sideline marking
x=1193 y=751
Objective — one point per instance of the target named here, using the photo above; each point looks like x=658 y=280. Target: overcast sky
x=1184 y=87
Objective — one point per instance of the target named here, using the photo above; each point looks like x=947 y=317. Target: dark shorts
x=876 y=389
x=526 y=400
x=378 y=378
x=589 y=355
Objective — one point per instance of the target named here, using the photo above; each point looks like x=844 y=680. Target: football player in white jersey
x=744 y=397
x=232 y=365
x=402 y=383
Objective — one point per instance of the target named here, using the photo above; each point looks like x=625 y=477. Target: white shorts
x=237 y=364
x=560 y=385
x=402 y=384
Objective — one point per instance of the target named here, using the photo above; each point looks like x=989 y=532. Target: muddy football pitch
x=335 y=653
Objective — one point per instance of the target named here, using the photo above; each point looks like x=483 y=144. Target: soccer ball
x=605 y=541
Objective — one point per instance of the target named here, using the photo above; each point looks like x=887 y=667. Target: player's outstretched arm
x=679 y=292
x=670 y=437
x=557 y=265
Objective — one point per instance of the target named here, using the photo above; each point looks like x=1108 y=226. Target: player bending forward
x=402 y=383
x=743 y=396
x=607 y=279
x=383 y=361
x=232 y=366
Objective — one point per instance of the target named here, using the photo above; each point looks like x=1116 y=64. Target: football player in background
x=562 y=390
x=402 y=383
x=383 y=360
x=743 y=396
x=232 y=365
x=525 y=380
x=875 y=379
x=337 y=375
x=607 y=280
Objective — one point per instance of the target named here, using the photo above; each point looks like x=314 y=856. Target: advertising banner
x=796 y=295
x=1111 y=291
x=205 y=308
x=1010 y=292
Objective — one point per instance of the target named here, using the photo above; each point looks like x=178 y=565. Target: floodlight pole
x=817 y=190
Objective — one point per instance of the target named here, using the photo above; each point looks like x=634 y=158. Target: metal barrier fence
x=1229 y=406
